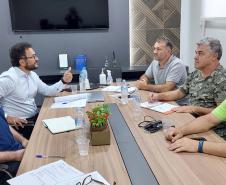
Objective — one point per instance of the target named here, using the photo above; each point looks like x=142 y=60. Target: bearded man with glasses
x=19 y=86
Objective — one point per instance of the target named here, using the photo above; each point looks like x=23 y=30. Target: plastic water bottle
x=136 y=99
x=109 y=77
x=85 y=72
x=82 y=80
x=80 y=121
x=124 y=92
x=79 y=117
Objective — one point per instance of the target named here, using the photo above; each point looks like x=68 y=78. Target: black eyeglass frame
x=35 y=57
x=90 y=179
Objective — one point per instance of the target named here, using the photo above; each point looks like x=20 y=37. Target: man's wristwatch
x=62 y=79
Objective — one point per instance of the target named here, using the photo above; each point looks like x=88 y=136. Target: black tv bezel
x=56 y=30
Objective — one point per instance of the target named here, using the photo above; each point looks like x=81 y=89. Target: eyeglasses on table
x=88 y=180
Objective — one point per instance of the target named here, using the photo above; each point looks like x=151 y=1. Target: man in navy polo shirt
x=12 y=145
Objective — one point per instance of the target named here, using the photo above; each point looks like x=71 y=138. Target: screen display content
x=42 y=15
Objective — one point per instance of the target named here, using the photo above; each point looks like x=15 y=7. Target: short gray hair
x=214 y=45
x=168 y=43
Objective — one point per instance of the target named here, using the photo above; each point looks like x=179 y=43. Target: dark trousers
x=12 y=168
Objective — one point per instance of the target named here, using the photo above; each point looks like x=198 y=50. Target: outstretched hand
x=141 y=84
x=153 y=97
x=68 y=75
x=173 y=134
x=184 y=145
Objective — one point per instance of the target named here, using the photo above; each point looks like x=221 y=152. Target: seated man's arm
x=168 y=86
x=201 y=124
x=19 y=137
x=11 y=156
x=145 y=78
x=193 y=109
x=166 y=96
x=189 y=145
x=143 y=84
x=54 y=89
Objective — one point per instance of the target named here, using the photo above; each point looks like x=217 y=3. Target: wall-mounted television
x=42 y=15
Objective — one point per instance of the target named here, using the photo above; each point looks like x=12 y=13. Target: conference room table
x=112 y=161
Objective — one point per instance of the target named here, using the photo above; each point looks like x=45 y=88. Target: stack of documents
x=77 y=100
x=56 y=173
x=164 y=108
x=70 y=98
x=61 y=124
x=118 y=89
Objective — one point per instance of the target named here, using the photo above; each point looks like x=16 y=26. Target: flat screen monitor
x=42 y=15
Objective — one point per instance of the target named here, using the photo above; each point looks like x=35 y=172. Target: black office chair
x=4 y=174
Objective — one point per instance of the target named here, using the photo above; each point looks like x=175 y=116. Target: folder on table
x=61 y=124
x=164 y=108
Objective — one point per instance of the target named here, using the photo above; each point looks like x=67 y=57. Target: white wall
x=213 y=8
x=191 y=13
x=215 y=22
x=190 y=30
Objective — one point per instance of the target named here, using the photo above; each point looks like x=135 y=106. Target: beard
x=31 y=67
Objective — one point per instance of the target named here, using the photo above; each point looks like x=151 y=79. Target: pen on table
x=46 y=156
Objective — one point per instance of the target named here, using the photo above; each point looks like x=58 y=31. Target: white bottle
x=102 y=77
x=82 y=82
x=109 y=77
x=124 y=92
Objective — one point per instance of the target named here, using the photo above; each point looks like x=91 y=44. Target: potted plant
x=99 y=126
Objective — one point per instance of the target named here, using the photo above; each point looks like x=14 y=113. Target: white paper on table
x=149 y=105
x=95 y=175
x=159 y=107
x=50 y=174
x=112 y=88
x=164 y=108
x=70 y=104
x=70 y=98
x=118 y=89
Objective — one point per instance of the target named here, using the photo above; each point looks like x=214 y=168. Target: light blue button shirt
x=18 y=90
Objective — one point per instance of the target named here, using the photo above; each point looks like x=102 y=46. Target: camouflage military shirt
x=206 y=92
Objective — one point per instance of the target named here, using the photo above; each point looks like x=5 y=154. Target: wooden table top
x=168 y=167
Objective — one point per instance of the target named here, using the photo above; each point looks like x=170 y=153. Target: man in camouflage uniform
x=206 y=86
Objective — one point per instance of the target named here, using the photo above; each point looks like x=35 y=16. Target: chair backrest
x=4 y=174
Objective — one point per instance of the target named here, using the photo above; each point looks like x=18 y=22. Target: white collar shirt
x=18 y=90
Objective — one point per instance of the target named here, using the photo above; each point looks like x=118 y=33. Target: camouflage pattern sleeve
x=220 y=86
x=186 y=87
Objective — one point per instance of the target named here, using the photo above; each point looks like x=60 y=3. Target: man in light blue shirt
x=19 y=85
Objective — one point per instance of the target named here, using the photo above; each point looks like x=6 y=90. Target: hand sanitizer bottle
x=102 y=77
x=109 y=78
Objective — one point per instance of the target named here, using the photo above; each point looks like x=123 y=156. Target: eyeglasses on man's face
x=35 y=57
x=88 y=180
